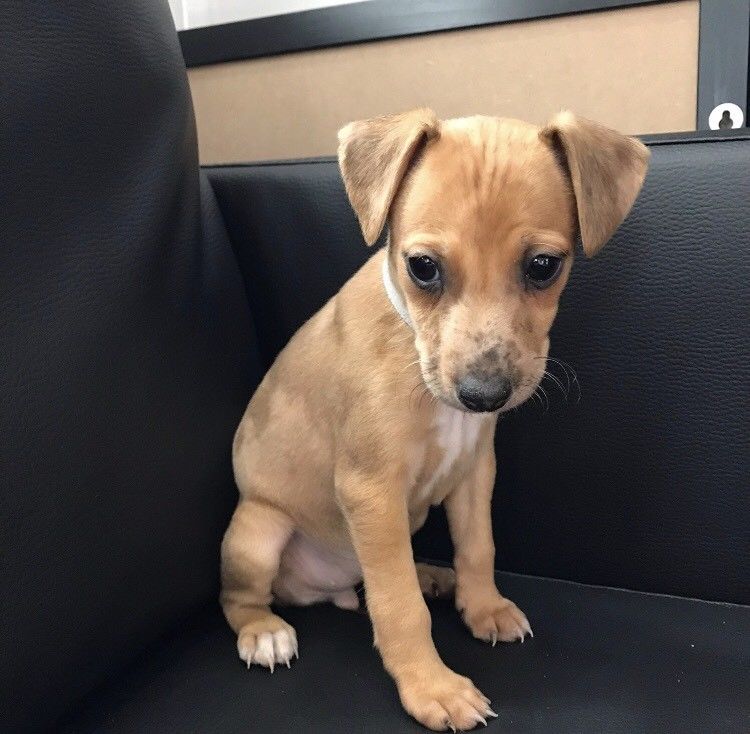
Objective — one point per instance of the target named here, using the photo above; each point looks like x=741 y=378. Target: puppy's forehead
x=487 y=172
x=484 y=140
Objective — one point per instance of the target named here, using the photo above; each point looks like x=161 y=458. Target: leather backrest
x=126 y=352
x=642 y=482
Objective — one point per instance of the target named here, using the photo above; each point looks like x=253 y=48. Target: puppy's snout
x=483 y=395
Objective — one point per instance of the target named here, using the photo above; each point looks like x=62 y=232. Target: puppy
x=338 y=456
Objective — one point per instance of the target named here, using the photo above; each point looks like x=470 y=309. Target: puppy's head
x=483 y=214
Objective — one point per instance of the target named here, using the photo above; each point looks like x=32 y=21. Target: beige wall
x=632 y=68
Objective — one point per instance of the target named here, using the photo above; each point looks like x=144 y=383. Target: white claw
x=481 y=719
x=270 y=649
x=494 y=639
x=490 y=712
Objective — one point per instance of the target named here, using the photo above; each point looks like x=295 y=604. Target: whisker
x=416 y=387
x=557 y=382
x=566 y=366
x=571 y=376
x=565 y=370
x=411 y=364
x=546 y=397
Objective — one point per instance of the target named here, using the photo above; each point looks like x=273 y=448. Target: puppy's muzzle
x=485 y=394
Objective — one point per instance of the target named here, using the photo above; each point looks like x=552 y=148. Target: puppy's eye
x=542 y=270
x=424 y=271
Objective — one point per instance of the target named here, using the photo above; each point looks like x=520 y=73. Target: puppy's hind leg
x=436 y=581
x=250 y=555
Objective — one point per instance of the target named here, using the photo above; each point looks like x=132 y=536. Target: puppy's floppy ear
x=606 y=169
x=374 y=155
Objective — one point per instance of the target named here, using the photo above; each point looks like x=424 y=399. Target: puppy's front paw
x=443 y=700
x=499 y=620
x=267 y=642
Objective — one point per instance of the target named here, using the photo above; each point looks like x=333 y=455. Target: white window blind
x=198 y=13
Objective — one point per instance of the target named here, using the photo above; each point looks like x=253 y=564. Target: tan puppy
x=339 y=457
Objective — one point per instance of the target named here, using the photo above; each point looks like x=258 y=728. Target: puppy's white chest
x=454 y=434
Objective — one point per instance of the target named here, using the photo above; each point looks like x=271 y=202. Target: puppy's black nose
x=484 y=395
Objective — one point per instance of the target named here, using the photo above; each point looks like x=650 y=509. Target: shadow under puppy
x=338 y=458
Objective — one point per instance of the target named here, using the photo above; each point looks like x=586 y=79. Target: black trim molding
x=693 y=136
x=368 y=21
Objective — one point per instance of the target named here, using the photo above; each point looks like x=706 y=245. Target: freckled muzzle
x=489 y=381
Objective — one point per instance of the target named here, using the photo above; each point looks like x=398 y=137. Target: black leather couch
x=141 y=299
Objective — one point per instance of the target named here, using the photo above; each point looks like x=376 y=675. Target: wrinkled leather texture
x=126 y=352
x=601 y=660
x=296 y=239
x=639 y=477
